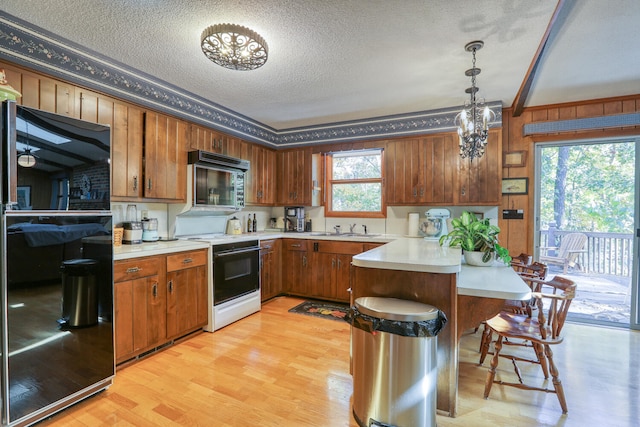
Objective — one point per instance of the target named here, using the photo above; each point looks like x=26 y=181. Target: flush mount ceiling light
x=473 y=120
x=234 y=47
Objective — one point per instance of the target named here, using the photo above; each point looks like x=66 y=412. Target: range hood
x=206 y=158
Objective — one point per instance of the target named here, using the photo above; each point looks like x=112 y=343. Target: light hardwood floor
x=276 y=368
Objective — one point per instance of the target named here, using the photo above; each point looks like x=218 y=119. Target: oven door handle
x=236 y=252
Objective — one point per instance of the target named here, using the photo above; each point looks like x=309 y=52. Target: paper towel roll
x=413 y=224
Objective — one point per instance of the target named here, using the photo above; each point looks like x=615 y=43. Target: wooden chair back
x=535 y=270
x=520 y=260
x=553 y=302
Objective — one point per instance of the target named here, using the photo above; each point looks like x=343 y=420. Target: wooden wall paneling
x=514 y=140
x=589 y=110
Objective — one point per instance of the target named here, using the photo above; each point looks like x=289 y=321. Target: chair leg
x=539 y=349
x=485 y=342
x=557 y=384
x=492 y=370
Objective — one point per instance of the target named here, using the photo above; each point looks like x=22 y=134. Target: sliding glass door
x=586 y=222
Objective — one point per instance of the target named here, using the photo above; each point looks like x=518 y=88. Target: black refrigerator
x=56 y=265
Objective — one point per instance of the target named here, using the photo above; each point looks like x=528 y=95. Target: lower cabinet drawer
x=135 y=268
x=184 y=260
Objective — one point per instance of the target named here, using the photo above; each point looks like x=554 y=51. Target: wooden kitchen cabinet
x=165 y=157
x=41 y=92
x=441 y=155
x=479 y=181
x=213 y=141
x=404 y=172
x=205 y=139
x=126 y=152
x=295 y=266
x=187 y=289
x=140 y=306
x=420 y=171
x=261 y=182
x=297 y=178
x=331 y=269
x=157 y=299
x=127 y=130
x=270 y=277
x=368 y=246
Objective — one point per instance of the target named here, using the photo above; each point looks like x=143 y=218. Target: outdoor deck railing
x=606 y=253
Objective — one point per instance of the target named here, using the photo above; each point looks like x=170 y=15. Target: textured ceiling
x=337 y=60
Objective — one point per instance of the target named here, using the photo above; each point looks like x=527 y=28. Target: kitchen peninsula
x=423 y=271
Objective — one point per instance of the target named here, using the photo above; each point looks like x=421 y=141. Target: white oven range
x=236 y=281
x=234 y=274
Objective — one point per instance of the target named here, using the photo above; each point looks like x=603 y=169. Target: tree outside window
x=354 y=184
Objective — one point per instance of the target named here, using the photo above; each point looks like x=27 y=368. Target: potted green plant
x=478 y=236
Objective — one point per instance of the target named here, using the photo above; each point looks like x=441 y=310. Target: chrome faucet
x=337 y=228
x=365 y=228
x=351 y=227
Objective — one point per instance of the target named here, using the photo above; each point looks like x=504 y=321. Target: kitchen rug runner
x=326 y=310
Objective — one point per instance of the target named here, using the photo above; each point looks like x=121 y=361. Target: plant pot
x=475 y=258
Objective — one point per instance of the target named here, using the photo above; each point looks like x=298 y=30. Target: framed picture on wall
x=514 y=159
x=24 y=197
x=515 y=185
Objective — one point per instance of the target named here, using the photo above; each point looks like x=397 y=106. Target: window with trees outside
x=354 y=184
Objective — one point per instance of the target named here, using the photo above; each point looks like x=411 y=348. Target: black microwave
x=218 y=181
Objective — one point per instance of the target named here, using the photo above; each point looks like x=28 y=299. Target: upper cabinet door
x=126 y=151
x=165 y=157
x=261 y=184
x=479 y=180
x=440 y=164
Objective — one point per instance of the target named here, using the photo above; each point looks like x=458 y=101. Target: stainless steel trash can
x=79 y=293
x=394 y=362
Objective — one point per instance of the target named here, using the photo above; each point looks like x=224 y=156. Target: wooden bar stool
x=542 y=331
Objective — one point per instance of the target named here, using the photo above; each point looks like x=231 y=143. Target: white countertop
x=156 y=248
x=410 y=254
x=399 y=253
x=498 y=281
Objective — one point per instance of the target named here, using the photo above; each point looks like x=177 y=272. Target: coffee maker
x=294 y=219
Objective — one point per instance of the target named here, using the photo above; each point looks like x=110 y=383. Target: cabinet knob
x=187 y=260
x=132 y=270
x=170 y=286
x=149 y=184
x=155 y=289
x=135 y=182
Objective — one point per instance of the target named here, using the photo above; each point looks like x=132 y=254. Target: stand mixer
x=435 y=225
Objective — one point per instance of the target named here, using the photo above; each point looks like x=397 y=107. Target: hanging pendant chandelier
x=234 y=47
x=473 y=120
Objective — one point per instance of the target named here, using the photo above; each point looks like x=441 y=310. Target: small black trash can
x=79 y=293
x=394 y=345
